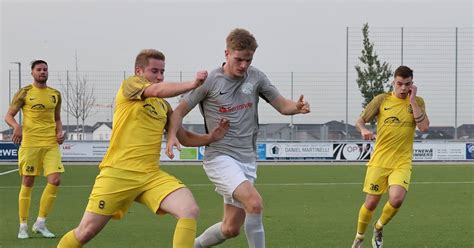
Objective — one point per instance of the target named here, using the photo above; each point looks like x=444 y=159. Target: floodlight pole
x=19 y=82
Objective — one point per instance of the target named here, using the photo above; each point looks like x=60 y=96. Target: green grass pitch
x=304 y=206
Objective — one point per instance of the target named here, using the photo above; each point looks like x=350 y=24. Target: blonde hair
x=142 y=58
x=240 y=39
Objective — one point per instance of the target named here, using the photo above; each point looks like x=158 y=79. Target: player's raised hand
x=200 y=78
x=302 y=106
x=412 y=93
x=218 y=132
x=171 y=143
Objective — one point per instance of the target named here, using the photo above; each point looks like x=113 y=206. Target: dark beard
x=42 y=81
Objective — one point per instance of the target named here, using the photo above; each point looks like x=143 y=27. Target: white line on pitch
x=264 y=184
x=6 y=172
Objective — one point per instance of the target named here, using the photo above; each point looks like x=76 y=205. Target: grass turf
x=305 y=206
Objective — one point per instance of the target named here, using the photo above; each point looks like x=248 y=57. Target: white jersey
x=236 y=100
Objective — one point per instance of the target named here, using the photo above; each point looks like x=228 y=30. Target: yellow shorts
x=115 y=190
x=33 y=160
x=378 y=180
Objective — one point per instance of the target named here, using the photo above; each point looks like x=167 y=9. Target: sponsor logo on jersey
x=394 y=121
x=38 y=106
x=150 y=110
x=235 y=108
x=391 y=120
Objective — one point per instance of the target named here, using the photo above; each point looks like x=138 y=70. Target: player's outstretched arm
x=289 y=107
x=190 y=139
x=168 y=89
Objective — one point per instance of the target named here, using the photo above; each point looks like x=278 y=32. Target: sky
x=299 y=35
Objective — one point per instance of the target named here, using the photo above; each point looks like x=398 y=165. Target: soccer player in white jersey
x=232 y=91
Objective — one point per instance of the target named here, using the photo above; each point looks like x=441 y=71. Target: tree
x=79 y=99
x=373 y=78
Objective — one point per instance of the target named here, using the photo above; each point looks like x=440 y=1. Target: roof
x=98 y=124
x=72 y=128
x=7 y=131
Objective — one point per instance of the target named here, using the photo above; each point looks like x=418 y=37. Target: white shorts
x=227 y=173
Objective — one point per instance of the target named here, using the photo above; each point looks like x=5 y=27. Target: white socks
x=254 y=230
x=212 y=236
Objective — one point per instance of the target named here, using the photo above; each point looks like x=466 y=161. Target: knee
x=190 y=211
x=396 y=202
x=54 y=180
x=254 y=205
x=371 y=204
x=28 y=181
x=85 y=234
x=193 y=211
x=230 y=231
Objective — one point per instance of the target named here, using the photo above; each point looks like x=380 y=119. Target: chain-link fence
x=442 y=60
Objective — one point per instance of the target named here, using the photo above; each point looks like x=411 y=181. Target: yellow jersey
x=395 y=130
x=137 y=128
x=39 y=106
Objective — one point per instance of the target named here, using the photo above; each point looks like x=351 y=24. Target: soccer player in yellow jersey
x=130 y=170
x=398 y=113
x=39 y=150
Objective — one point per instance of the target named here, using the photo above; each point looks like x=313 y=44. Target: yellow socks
x=69 y=240
x=184 y=236
x=24 y=200
x=387 y=214
x=365 y=215
x=47 y=200
x=185 y=233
